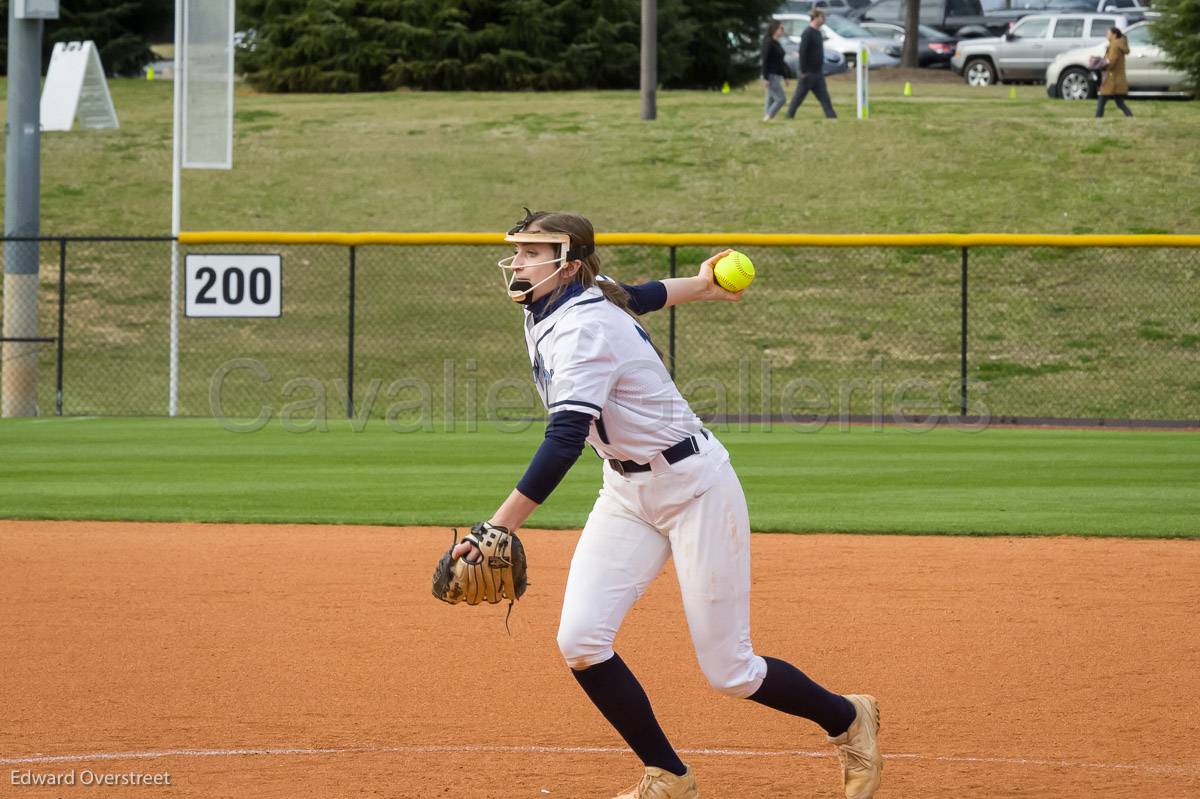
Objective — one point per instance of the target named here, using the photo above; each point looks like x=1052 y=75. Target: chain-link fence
x=424 y=335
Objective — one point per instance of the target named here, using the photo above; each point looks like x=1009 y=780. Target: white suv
x=1069 y=78
x=1030 y=45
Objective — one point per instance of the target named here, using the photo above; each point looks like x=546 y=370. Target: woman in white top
x=668 y=490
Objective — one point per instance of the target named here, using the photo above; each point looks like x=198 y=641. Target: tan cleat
x=858 y=749
x=657 y=783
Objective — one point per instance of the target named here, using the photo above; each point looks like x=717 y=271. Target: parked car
x=1086 y=6
x=1014 y=10
x=1033 y=6
x=246 y=40
x=842 y=7
x=1130 y=8
x=835 y=62
x=1068 y=77
x=961 y=19
x=746 y=51
x=843 y=36
x=1024 y=53
x=934 y=48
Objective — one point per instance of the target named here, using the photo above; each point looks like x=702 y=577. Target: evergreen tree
x=325 y=45
x=121 y=30
x=524 y=44
x=712 y=36
x=361 y=45
x=1177 y=31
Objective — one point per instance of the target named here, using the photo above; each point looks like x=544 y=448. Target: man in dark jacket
x=812 y=67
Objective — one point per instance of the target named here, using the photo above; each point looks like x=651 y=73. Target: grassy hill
x=950 y=158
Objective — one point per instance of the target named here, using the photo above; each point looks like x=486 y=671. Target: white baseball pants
x=694 y=511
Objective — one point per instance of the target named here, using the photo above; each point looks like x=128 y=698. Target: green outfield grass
x=996 y=481
x=950 y=158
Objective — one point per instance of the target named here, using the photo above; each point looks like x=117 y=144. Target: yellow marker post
x=1012 y=93
x=907 y=89
x=149 y=73
x=725 y=88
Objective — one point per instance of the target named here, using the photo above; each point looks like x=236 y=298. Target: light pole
x=22 y=196
x=649 y=58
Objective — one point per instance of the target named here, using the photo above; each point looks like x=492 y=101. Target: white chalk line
x=61 y=419
x=572 y=750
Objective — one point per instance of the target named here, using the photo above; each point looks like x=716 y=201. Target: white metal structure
x=76 y=87
x=35 y=9
x=203 y=127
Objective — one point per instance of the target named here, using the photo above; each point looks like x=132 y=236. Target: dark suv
x=959 y=18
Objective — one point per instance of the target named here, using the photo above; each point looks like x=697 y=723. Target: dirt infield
x=274 y=661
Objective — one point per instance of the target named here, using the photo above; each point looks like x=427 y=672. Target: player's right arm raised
x=701 y=287
x=658 y=294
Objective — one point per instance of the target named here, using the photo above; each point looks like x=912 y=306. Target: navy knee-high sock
x=617 y=694
x=788 y=689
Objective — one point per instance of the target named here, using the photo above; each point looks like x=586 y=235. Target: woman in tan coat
x=1115 y=86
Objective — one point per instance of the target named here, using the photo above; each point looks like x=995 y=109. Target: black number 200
x=233 y=286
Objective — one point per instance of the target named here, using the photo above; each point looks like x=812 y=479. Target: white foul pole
x=176 y=202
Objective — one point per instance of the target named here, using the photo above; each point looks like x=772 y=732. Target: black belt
x=674 y=454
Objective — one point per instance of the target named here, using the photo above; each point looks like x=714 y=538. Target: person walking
x=775 y=72
x=1114 y=86
x=812 y=67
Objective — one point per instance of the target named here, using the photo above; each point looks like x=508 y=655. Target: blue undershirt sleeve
x=565 y=436
x=646 y=297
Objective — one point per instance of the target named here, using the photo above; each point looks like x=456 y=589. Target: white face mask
x=521 y=290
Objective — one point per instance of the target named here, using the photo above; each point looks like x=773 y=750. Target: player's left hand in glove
x=495 y=572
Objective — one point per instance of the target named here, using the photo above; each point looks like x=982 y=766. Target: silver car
x=1068 y=75
x=845 y=37
x=1024 y=53
x=840 y=7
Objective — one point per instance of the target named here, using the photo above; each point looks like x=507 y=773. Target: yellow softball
x=734 y=272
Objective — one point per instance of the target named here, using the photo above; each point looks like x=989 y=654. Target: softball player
x=668 y=490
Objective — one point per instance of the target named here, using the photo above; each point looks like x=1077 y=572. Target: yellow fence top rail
x=714 y=240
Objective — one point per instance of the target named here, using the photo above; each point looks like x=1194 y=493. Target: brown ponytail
x=582 y=235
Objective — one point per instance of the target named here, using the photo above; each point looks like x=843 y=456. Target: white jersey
x=590 y=356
